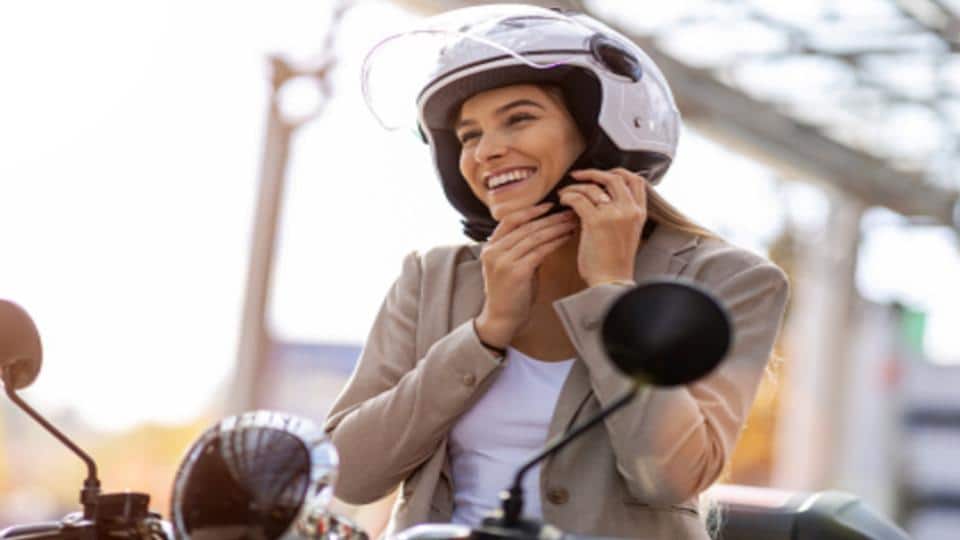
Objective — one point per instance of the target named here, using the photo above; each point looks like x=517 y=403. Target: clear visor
x=401 y=66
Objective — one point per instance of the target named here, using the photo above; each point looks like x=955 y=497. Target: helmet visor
x=402 y=67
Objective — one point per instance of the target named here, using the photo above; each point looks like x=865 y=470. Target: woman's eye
x=468 y=136
x=515 y=118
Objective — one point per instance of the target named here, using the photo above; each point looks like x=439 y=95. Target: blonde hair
x=664 y=213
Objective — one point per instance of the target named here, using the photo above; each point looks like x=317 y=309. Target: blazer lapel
x=663 y=254
x=468 y=292
x=466 y=302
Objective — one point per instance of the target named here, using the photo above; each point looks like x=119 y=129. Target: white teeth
x=507 y=177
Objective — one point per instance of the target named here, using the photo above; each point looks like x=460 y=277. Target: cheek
x=560 y=147
x=463 y=166
x=575 y=145
x=468 y=171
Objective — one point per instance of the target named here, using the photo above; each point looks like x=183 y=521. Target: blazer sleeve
x=396 y=408
x=672 y=443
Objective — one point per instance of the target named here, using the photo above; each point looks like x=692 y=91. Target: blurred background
x=203 y=218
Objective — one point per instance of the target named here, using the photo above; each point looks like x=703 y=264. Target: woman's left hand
x=611 y=221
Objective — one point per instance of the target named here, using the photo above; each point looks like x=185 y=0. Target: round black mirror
x=256 y=475
x=20 y=351
x=666 y=333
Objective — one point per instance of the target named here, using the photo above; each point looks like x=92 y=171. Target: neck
x=558 y=275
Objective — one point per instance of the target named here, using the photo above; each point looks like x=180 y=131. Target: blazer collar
x=664 y=253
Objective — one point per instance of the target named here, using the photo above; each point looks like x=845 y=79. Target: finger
x=526 y=230
x=583 y=206
x=511 y=265
x=614 y=183
x=535 y=256
x=639 y=187
x=542 y=236
x=595 y=193
x=636 y=183
x=510 y=239
x=643 y=187
x=517 y=218
x=636 y=186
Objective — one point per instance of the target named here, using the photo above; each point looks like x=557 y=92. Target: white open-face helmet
x=617 y=95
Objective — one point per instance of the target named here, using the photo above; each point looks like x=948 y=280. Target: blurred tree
x=143 y=459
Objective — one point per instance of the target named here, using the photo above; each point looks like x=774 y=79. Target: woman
x=482 y=352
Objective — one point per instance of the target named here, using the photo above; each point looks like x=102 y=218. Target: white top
x=505 y=428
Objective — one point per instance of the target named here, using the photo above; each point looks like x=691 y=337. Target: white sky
x=130 y=141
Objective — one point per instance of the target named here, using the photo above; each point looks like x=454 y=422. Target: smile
x=501 y=179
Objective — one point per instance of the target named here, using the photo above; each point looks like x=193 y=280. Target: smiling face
x=516 y=143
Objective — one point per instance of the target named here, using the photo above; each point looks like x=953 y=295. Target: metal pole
x=255 y=341
x=249 y=388
x=809 y=436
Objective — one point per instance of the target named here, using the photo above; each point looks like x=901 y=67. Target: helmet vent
x=615 y=58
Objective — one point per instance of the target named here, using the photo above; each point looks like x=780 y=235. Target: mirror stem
x=513 y=498
x=91 y=486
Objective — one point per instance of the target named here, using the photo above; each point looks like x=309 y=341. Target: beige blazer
x=638 y=475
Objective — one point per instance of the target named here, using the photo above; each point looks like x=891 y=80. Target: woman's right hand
x=510 y=260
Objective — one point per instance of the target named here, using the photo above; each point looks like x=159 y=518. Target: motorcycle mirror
x=666 y=333
x=20 y=351
x=260 y=474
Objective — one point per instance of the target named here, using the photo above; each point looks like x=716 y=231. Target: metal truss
x=860 y=94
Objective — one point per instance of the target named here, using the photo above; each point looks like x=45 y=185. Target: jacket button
x=558 y=495
x=469 y=379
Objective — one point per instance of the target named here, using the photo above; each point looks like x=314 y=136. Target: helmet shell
x=617 y=95
x=634 y=106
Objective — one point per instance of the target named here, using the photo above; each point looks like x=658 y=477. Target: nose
x=490 y=146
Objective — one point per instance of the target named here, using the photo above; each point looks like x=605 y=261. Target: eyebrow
x=501 y=110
